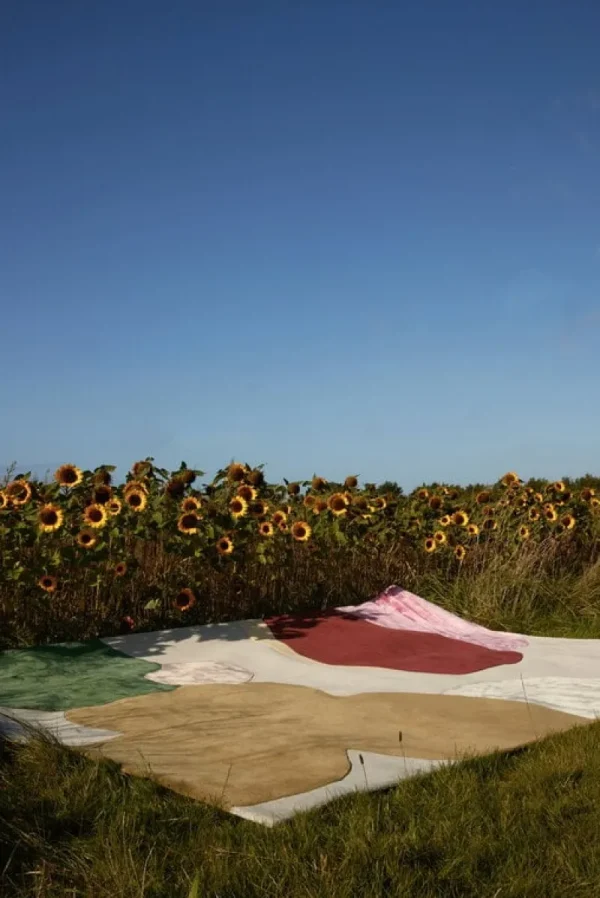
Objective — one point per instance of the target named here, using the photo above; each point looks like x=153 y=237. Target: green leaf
x=152 y=605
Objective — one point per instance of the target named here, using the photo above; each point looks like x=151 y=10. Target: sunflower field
x=82 y=556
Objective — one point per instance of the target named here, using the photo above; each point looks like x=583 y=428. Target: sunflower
x=278 y=517
x=423 y=494
x=351 y=482
x=319 y=506
x=188 y=522
x=86 y=538
x=301 y=531
x=524 y=532
x=137 y=500
x=460 y=518
x=309 y=501
x=550 y=513
x=510 y=479
x=440 y=537
x=283 y=526
x=120 y=569
x=68 y=475
x=436 y=502
x=266 y=528
x=533 y=514
x=114 y=506
x=558 y=486
x=48 y=583
x=337 y=504
x=594 y=503
x=141 y=469
x=318 y=483
x=568 y=521
x=102 y=494
x=430 y=544
x=293 y=489
x=188 y=476
x=256 y=477
x=490 y=524
x=136 y=485
x=246 y=492
x=95 y=515
x=175 y=487
x=50 y=518
x=538 y=497
x=258 y=509
x=192 y=503
x=238 y=507
x=459 y=553
x=224 y=546
x=473 y=529
x=446 y=520
x=453 y=493
x=19 y=491
x=488 y=511
x=587 y=494
x=184 y=599
x=361 y=503
x=379 y=503
x=102 y=478
x=236 y=472
x=483 y=497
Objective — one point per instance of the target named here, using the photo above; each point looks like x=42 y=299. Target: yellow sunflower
x=136 y=499
x=460 y=552
x=430 y=544
x=337 y=504
x=440 y=537
x=460 y=518
x=238 y=507
x=247 y=493
x=95 y=515
x=258 y=508
x=114 y=506
x=48 y=583
x=533 y=514
x=490 y=524
x=68 y=475
x=266 y=529
x=192 y=503
x=188 y=523
x=558 y=486
x=301 y=531
x=594 y=503
x=184 y=599
x=446 y=520
x=379 y=503
x=319 y=506
x=236 y=472
x=587 y=494
x=473 y=529
x=524 y=532
x=568 y=521
x=483 y=497
x=550 y=513
x=86 y=538
x=50 y=518
x=278 y=517
x=283 y=526
x=102 y=494
x=436 y=502
x=423 y=494
x=19 y=491
x=135 y=486
x=510 y=479
x=224 y=545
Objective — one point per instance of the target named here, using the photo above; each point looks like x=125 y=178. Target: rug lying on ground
x=273 y=717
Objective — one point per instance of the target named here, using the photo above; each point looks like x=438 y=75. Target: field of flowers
x=83 y=556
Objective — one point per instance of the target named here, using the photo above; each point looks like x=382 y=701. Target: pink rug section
x=398 y=609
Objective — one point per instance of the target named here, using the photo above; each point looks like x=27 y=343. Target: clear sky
x=333 y=237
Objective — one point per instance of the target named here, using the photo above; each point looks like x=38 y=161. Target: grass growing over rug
x=513 y=825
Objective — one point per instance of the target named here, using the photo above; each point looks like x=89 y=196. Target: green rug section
x=72 y=675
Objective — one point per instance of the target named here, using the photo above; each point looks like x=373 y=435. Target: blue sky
x=333 y=237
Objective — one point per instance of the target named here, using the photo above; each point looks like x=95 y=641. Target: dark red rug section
x=333 y=637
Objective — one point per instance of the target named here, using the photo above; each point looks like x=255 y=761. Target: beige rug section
x=260 y=741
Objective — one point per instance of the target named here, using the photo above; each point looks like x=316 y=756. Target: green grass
x=510 y=825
